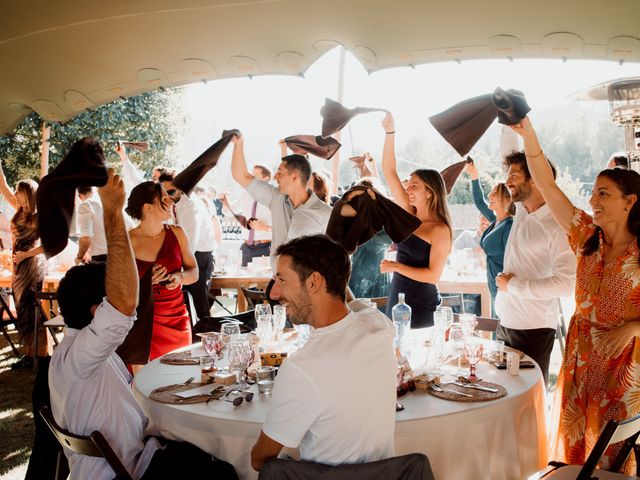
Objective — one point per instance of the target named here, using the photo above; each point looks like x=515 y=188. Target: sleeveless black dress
x=423 y=298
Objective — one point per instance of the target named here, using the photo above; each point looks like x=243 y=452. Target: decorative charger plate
x=476 y=395
x=168 y=394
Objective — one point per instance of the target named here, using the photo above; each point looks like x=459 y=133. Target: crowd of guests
x=538 y=247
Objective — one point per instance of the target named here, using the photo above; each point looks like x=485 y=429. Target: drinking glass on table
x=212 y=343
x=456 y=341
x=265 y=376
x=265 y=332
x=279 y=321
x=240 y=358
x=473 y=353
x=468 y=322
x=231 y=329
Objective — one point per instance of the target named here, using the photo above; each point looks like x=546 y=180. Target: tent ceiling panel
x=59 y=58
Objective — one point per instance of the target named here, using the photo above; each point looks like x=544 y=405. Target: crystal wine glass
x=279 y=321
x=265 y=332
x=212 y=342
x=240 y=358
x=473 y=353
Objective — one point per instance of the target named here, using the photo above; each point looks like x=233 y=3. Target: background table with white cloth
x=500 y=439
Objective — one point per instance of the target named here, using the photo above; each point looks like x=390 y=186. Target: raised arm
x=477 y=193
x=370 y=163
x=389 y=164
x=131 y=175
x=121 y=281
x=5 y=191
x=283 y=148
x=560 y=206
x=239 y=169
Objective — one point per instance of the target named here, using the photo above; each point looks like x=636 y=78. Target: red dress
x=171 y=324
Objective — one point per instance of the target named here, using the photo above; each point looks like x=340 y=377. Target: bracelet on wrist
x=390 y=133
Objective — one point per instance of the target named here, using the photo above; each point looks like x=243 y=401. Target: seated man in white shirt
x=334 y=398
x=90 y=385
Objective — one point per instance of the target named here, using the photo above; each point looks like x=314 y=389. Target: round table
x=500 y=439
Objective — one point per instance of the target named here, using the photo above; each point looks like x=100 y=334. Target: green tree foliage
x=155 y=117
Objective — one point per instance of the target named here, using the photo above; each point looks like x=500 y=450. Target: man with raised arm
x=295 y=210
x=89 y=383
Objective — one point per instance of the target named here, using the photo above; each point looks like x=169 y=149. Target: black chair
x=94 y=445
x=42 y=314
x=627 y=431
x=485 y=324
x=7 y=318
x=254 y=297
x=454 y=301
x=414 y=466
x=213 y=324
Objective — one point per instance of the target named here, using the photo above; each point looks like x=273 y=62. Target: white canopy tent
x=61 y=58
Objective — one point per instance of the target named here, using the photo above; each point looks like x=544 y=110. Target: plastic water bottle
x=401 y=316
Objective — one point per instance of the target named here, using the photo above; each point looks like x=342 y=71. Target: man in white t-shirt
x=324 y=400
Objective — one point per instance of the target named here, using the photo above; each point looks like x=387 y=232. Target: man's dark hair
x=519 y=158
x=166 y=177
x=620 y=161
x=300 y=164
x=264 y=171
x=318 y=253
x=165 y=170
x=84 y=190
x=80 y=289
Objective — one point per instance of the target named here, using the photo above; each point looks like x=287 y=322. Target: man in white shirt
x=539 y=267
x=92 y=244
x=192 y=215
x=335 y=398
x=295 y=210
x=90 y=385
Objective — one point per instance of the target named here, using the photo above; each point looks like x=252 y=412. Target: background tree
x=155 y=117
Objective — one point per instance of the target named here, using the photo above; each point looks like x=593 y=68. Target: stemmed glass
x=473 y=353
x=279 y=321
x=443 y=319
x=240 y=358
x=212 y=342
x=231 y=329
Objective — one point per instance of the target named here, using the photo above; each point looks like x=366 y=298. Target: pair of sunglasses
x=172 y=191
x=240 y=398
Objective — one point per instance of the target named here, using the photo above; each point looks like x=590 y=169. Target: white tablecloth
x=501 y=439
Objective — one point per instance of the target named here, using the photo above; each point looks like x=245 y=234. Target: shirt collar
x=313 y=202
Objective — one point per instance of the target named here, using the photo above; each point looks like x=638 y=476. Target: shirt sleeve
x=188 y=220
x=295 y=406
x=479 y=200
x=95 y=343
x=85 y=220
x=582 y=228
x=561 y=283
x=262 y=192
x=131 y=175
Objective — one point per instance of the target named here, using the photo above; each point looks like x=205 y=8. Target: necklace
x=150 y=236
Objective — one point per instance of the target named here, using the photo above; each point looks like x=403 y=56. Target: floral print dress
x=592 y=387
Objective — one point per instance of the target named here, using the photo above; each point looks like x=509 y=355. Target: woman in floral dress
x=600 y=375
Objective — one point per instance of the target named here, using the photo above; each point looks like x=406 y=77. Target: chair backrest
x=613 y=432
x=212 y=324
x=5 y=310
x=380 y=301
x=253 y=296
x=485 y=324
x=49 y=297
x=453 y=300
x=414 y=466
x=95 y=445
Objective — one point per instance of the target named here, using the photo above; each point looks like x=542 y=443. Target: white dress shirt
x=91 y=390
x=91 y=224
x=539 y=256
x=192 y=216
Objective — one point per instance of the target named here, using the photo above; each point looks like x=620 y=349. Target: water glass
x=496 y=351
x=261 y=309
x=265 y=376
x=231 y=329
x=468 y=322
x=264 y=331
x=207 y=367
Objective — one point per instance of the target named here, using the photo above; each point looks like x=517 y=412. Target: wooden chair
x=485 y=324
x=7 y=318
x=44 y=314
x=94 y=445
x=254 y=297
x=627 y=431
x=453 y=300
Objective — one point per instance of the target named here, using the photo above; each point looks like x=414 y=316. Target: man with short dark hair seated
x=334 y=398
x=90 y=386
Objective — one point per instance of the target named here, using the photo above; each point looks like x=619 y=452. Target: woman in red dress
x=165 y=250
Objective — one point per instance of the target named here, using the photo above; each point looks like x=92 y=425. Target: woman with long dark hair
x=598 y=380
x=165 y=250
x=29 y=266
x=499 y=210
x=421 y=258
